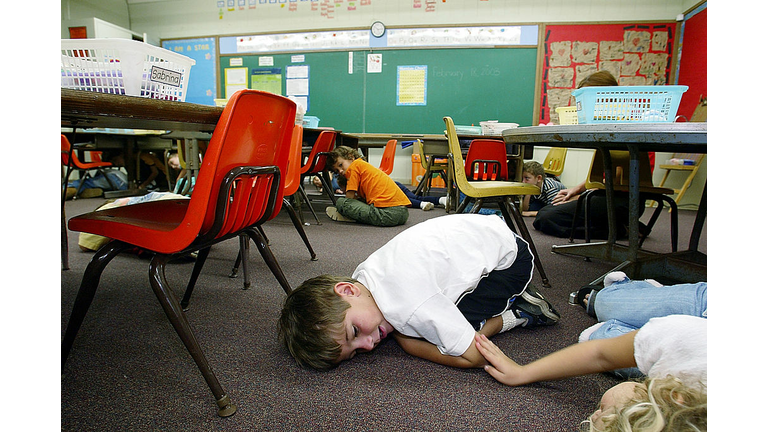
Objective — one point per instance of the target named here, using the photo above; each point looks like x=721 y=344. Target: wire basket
x=628 y=104
x=123 y=66
x=567 y=115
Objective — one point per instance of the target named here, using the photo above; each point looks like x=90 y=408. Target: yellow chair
x=554 y=163
x=502 y=192
x=690 y=169
x=620 y=161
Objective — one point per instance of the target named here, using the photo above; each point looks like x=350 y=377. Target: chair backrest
x=315 y=162
x=66 y=147
x=242 y=175
x=620 y=162
x=486 y=160
x=554 y=163
x=388 y=158
x=454 y=146
x=293 y=174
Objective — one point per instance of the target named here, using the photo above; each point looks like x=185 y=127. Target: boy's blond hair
x=660 y=404
x=312 y=317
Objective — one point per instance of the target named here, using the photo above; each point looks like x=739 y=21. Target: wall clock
x=378 y=29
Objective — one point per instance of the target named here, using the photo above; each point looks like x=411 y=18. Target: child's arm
x=600 y=355
x=472 y=358
x=526 y=203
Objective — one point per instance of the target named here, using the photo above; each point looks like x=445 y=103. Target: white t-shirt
x=674 y=345
x=418 y=277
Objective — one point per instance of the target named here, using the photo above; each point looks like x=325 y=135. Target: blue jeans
x=627 y=305
x=99 y=181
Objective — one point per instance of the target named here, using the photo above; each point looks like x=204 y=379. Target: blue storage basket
x=628 y=104
x=311 y=121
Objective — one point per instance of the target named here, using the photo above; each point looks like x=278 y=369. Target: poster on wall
x=411 y=85
x=202 y=76
x=635 y=54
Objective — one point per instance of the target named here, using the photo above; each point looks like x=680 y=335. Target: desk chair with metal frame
x=314 y=164
x=554 y=162
x=620 y=161
x=487 y=160
x=387 y=163
x=504 y=193
x=292 y=179
x=238 y=188
x=70 y=161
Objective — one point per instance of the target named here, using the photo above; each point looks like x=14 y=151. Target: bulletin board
x=693 y=60
x=202 y=75
x=351 y=93
x=636 y=54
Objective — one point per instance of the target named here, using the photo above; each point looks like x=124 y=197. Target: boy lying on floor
x=433 y=287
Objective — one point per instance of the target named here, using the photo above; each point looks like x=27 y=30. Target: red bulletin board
x=693 y=62
x=636 y=54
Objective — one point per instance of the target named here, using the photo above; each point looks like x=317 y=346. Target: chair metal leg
x=178 y=320
x=202 y=255
x=87 y=291
x=270 y=259
x=299 y=227
x=326 y=182
x=309 y=204
x=525 y=234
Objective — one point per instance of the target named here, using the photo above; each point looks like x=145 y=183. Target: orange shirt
x=374 y=186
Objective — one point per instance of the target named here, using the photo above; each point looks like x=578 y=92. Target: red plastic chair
x=238 y=187
x=70 y=160
x=486 y=160
x=292 y=180
x=388 y=158
x=314 y=164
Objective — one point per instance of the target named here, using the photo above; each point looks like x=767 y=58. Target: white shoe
x=613 y=277
x=443 y=201
x=427 y=206
x=334 y=214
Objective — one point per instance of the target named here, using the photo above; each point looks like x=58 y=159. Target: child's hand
x=501 y=367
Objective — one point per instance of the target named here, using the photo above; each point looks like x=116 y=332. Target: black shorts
x=493 y=293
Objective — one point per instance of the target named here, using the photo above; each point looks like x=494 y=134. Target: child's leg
x=493 y=293
x=368 y=214
x=636 y=302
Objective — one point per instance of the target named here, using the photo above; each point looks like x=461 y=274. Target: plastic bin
x=493 y=127
x=628 y=104
x=311 y=121
x=124 y=66
x=567 y=115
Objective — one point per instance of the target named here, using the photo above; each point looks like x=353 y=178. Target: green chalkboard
x=470 y=85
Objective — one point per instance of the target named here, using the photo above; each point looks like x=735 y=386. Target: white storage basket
x=123 y=66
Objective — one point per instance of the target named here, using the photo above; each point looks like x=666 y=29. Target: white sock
x=510 y=321
x=584 y=336
x=443 y=201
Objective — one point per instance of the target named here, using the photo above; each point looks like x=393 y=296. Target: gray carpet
x=129 y=371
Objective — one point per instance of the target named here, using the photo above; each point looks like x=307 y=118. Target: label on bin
x=165 y=76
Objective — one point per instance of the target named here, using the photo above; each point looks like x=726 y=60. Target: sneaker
x=335 y=215
x=426 y=206
x=533 y=306
x=613 y=277
x=443 y=201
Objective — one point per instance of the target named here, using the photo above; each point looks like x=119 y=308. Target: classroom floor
x=129 y=371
